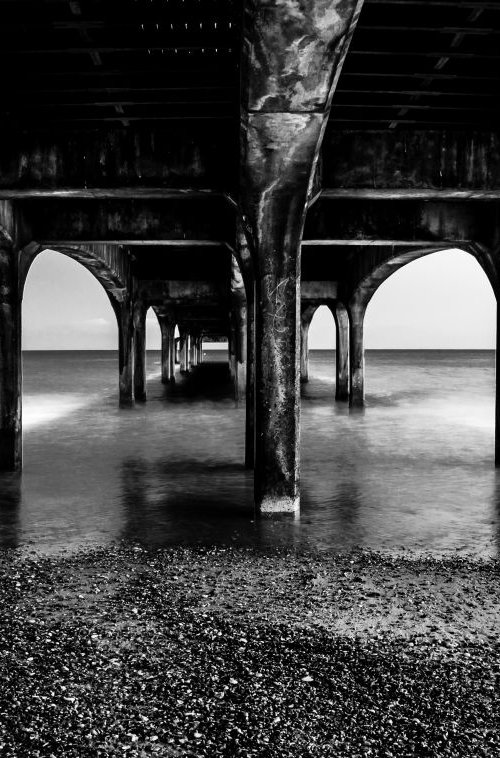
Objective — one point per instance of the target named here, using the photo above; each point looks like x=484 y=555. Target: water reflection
x=414 y=471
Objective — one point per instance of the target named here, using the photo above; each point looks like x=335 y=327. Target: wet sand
x=238 y=652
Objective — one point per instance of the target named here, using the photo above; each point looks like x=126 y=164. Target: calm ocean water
x=413 y=471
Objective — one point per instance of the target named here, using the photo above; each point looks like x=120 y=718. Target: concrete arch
x=363 y=292
x=107 y=263
x=371 y=281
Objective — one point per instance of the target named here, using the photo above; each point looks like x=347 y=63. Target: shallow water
x=413 y=471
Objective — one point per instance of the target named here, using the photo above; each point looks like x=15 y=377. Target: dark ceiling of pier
x=85 y=64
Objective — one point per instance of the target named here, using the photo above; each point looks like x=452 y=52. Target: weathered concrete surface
x=411 y=159
x=292 y=50
x=206 y=218
x=167 y=157
x=405 y=220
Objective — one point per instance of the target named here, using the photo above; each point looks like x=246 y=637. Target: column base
x=10 y=451
x=279 y=504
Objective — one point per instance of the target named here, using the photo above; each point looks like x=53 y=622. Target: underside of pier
x=235 y=164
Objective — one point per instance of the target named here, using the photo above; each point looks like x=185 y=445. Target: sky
x=442 y=301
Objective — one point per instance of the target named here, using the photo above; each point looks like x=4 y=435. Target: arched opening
x=442 y=301
x=430 y=351
x=69 y=339
x=317 y=362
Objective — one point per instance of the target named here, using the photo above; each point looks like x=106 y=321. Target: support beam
x=10 y=359
x=341 y=352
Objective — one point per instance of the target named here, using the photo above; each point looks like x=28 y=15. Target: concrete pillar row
x=356 y=356
x=341 y=318
x=10 y=360
x=140 y=352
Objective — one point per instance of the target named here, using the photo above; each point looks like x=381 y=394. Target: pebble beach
x=235 y=651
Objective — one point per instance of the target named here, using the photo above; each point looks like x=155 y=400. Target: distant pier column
x=305 y=323
x=184 y=353
x=165 y=356
x=140 y=353
x=239 y=318
x=125 y=317
x=10 y=360
x=341 y=352
x=171 y=352
x=356 y=356
x=177 y=350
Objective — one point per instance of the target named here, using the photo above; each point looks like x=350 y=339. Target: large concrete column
x=10 y=360
x=341 y=352
x=125 y=317
x=356 y=356
x=292 y=57
x=140 y=353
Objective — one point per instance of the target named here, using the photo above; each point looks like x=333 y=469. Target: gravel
x=237 y=652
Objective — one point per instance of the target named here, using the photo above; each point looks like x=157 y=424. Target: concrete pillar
x=307 y=313
x=125 y=316
x=497 y=390
x=250 y=390
x=192 y=352
x=277 y=398
x=140 y=353
x=341 y=352
x=171 y=352
x=177 y=350
x=356 y=356
x=165 y=354
x=184 y=353
x=200 y=351
x=10 y=360
x=304 y=351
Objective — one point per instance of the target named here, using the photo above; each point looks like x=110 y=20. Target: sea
x=412 y=473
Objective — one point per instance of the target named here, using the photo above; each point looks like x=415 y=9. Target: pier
x=235 y=166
